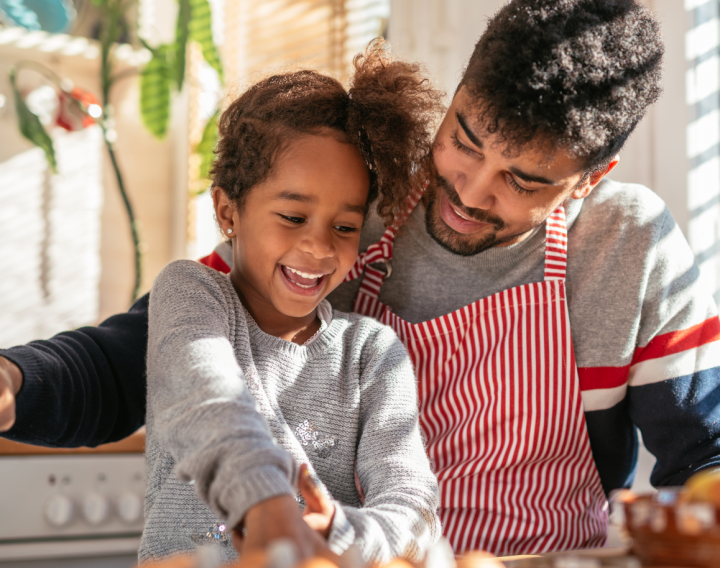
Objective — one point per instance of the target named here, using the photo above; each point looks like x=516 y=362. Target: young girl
x=252 y=375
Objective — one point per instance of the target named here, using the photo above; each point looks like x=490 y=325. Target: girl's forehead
x=317 y=168
x=324 y=152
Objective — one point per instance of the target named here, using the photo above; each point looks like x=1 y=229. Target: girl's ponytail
x=392 y=112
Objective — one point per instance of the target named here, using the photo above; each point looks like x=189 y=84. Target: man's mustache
x=477 y=214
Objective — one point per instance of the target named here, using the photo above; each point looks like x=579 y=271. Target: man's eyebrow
x=531 y=178
x=469 y=133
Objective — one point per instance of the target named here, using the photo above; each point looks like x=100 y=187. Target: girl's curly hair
x=388 y=114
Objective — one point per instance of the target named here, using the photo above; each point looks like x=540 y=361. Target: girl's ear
x=223 y=211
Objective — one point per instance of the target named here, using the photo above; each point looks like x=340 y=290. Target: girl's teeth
x=304 y=274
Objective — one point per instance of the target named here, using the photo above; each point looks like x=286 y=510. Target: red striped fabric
x=670 y=343
x=677 y=341
x=382 y=250
x=555 y=246
x=501 y=410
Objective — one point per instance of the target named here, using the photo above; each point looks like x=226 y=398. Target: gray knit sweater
x=345 y=402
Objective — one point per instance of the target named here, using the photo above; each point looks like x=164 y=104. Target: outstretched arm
x=399 y=517
x=79 y=388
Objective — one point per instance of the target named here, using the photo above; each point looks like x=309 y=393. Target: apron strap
x=556 y=245
x=377 y=252
x=382 y=250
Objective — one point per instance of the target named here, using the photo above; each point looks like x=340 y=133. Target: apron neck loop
x=382 y=250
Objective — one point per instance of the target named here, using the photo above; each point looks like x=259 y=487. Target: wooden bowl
x=668 y=531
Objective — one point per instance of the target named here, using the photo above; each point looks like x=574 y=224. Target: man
x=522 y=283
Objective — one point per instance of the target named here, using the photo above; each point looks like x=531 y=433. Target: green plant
x=164 y=73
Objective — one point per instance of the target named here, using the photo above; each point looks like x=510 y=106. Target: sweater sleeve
x=202 y=412
x=399 y=516
x=83 y=387
x=674 y=375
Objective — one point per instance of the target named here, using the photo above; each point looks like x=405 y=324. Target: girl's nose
x=318 y=243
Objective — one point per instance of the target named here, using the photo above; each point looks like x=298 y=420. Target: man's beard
x=457 y=243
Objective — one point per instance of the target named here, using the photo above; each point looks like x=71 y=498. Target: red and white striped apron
x=501 y=410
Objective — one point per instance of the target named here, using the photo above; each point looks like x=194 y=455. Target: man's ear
x=584 y=189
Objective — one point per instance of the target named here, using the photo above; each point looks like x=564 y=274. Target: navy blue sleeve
x=614 y=443
x=680 y=422
x=84 y=387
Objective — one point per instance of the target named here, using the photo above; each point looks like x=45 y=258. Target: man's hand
x=319 y=511
x=280 y=518
x=10 y=382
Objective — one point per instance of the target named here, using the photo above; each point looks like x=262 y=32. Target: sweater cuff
x=29 y=399
x=254 y=487
x=342 y=533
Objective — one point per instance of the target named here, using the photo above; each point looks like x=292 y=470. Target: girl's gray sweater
x=346 y=402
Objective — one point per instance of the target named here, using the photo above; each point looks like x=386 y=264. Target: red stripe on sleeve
x=602 y=377
x=214 y=260
x=677 y=341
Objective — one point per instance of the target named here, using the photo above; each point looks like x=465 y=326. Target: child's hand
x=10 y=382
x=279 y=518
x=319 y=511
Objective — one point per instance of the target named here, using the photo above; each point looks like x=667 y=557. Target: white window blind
x=266 y=36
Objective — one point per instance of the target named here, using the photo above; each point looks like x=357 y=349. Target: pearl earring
x=229 y=231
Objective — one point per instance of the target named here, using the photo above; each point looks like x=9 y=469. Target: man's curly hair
x=388 y=114
x=573 y=74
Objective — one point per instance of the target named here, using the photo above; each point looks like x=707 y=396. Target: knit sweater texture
x=235 y=411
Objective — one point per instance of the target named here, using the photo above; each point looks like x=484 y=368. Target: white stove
x=71 y=506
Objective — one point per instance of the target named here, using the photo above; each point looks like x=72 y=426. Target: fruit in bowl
x=704 y=487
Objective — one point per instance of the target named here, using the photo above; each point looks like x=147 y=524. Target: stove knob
x=130 y=507
x=59 y=510
x=95 y=508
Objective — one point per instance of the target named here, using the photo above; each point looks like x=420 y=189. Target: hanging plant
x=166 y=69
x=164 y=73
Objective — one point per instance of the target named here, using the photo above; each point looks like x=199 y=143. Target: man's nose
x=477 y=188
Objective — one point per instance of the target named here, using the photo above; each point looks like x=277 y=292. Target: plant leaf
x=30 y=125
x=200 y=27
x=206 y=147
x=181 y=38
x=155 y=92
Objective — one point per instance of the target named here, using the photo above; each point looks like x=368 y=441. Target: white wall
x=439 y=33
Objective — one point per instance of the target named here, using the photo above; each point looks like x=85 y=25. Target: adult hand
x=280 y=518
x=10 y=383
x=319 y=510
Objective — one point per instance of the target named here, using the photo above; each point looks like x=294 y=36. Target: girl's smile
x=301 y=281
x=296 y=234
